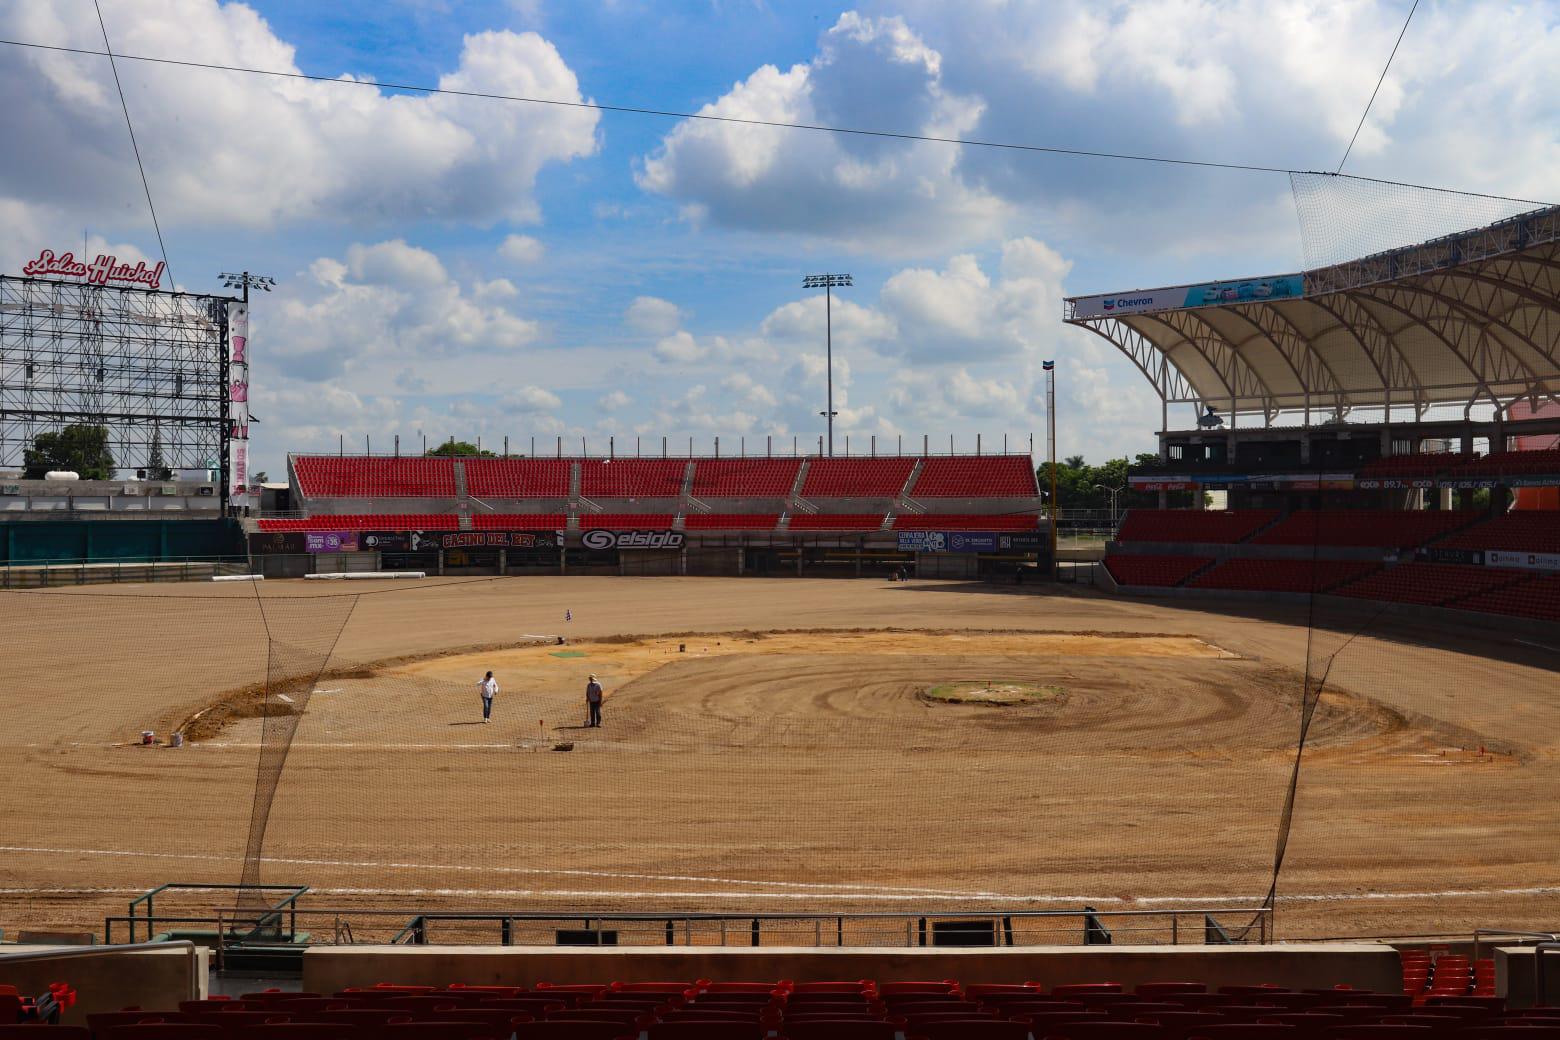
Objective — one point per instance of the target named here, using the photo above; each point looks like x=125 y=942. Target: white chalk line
x=1541 y=646
x=543 y=871
x=816 y=890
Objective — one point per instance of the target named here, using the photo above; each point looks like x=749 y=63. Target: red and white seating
x=1161 y=571
x=624 y=521
x=518 y=521
x=1536 y=531
x=366 y=522
x=517 y=478
x=1282 y=575
x=632 y=478
x=966 y=522
x=1386 y=528
x=836 y=521
x=730 y=521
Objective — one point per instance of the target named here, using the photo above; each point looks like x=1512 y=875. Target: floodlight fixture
x=828 y=283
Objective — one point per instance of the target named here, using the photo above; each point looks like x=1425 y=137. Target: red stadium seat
x=730 y=521
x=982 y=476
x=1156 y=571
x=966 y=522
x=744 y=478
x=856 y=478
x=1304 y=576
x=518 y=521
x=836 y=521
x=517 y=478
x=363 y=476
x=624 y=521
x=1383 y=528
x=1224 y=527
x=632 y=478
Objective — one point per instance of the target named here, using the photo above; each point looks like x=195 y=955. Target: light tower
x=828 y=283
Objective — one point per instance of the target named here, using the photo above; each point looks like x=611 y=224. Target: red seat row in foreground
x=836 y=1010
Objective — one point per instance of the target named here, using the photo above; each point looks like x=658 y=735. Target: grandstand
x=851 y=516
x=1428 y=480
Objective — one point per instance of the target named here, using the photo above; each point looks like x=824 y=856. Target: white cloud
x=386 y=299
x=653 y=315
x=871 y=73
x=521 y=249
x=226 y=149
x=679 y=348
x=531 y=400
x=614 y=400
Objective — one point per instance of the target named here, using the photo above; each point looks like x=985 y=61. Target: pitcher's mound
x=993 y=691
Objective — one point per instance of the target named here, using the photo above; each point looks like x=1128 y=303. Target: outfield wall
x=34 y=542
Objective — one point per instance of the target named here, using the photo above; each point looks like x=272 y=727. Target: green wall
x=107 y=541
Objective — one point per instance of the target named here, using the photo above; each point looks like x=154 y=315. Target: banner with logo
x=330 y=541
x=238 y=403
x=1434 y=555
x=1523 y=560
x=600 y=538
x=966 y=541
x=1202 y=294
x=431 y=541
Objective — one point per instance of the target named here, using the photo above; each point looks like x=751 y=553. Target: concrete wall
x=110 y=980
x=1363 y=966
x=1514 y=977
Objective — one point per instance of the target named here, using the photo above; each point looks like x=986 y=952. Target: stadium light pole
x=246 y=281
x=828 y=283
x=1112 y=492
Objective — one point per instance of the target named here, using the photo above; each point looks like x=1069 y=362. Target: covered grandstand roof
x=1471 y=317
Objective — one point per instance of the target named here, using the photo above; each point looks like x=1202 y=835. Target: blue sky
x=477 y=268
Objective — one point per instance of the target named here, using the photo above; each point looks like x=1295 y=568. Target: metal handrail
x=72 y=953
x=289 y=904
x=1513 y=933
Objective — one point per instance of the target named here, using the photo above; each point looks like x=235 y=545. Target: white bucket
x=177 y=740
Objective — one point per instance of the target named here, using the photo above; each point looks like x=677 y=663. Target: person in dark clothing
x=593 y=695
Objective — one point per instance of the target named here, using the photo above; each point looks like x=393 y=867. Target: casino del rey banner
x=238 y=403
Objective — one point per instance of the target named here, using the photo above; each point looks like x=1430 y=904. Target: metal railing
x=1003 y=928
x=28 y=574
x=1479 y=935
x=263 y=917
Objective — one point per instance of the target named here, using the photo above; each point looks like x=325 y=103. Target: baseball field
x=785 y=745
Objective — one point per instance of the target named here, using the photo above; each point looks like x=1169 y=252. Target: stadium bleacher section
x=1537 y=597
x=518 y=521
x=1431 y=584
x=1249 y=575
x=1153 y=570
x=744 y=478
x=1385 y=528
x=857 y=478
x=517 y=478
x=632 y=478
x=836 y=521
x=1224 y=527
x=1534 y=531
x=730 y=521
x=966 y=522
x=1445 y=995
x=365 y=522
x=330 y=476
x=624 y=521
x=979 y=476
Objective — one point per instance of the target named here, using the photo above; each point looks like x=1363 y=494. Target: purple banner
x=331 y=541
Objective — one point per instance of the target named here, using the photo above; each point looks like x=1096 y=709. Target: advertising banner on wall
x=969 y=541
x=1523 y=560
x=238 y=403
x=600 y=538
x=430 y=541
x=330 y=541
x=1203 y=294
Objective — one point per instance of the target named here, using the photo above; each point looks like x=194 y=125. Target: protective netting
x=1344 y=218
x=784 y=746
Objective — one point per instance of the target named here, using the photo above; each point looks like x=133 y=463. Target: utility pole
x=828 y=283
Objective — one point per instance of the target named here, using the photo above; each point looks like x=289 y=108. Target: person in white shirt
x=488 y=687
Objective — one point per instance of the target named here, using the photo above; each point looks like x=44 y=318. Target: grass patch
x=1001 y=692
x=568 y=653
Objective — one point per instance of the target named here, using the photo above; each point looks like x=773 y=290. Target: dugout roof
x=1471 y=317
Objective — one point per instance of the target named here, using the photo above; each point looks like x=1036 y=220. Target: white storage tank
x=62 y=474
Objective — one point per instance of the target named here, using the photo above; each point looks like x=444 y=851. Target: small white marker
x=284 y=697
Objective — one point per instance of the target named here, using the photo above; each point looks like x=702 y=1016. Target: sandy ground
x=767 y=747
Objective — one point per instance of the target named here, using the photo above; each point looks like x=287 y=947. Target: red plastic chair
x=365 y=1018
x=1508 y=1032
x=973 y=1029
x=1078 y=989
x=278 y=994
x=486 y=992
x=707 y=1031
x=1109 y=1030
x=887 y=989
x=625 y=1017
x=863 y=986
x=167 y=1031
x=1155 y=990
x=231 y=1020
x=1380 y=1032
x=445 y=1029
x=1245 y=1031
x=1200 y=1001
x=99 y=1022
x=579 y=1029
x=302 y=1031
x=195 y=1007
x=841 y=1029
x=28 y=1031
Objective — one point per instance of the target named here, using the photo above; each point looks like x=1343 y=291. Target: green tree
x=156 y=465
x=454 y=447
x=79 y=447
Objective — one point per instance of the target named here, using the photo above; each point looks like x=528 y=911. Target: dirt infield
x=768 y=745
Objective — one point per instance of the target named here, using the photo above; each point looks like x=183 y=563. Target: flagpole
x=1050 y=415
